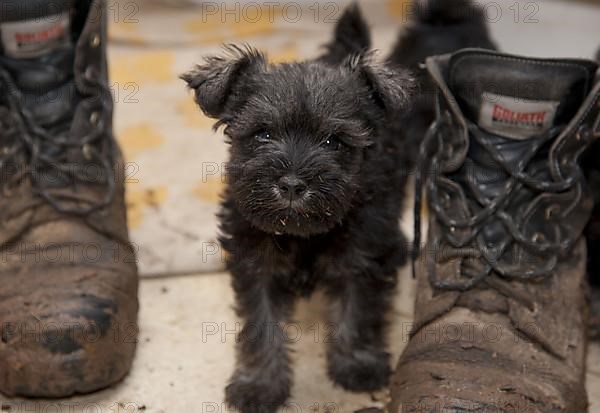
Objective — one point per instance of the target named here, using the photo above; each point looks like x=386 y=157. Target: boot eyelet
x=95 y=42
x=94 y=118
x=538 y=238
x=551 y=211
x=87 y=152
x=583 y=133
x=90 y=74
x=446 y=200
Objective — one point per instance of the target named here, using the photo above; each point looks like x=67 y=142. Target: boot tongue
x=37 y=50
x=518 y=98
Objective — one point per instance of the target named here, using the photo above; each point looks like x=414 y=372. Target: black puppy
x=314 y=194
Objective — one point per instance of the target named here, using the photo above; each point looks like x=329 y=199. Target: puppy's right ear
x=351 y=36
x=221 y=83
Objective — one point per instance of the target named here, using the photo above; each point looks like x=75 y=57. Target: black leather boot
x=591 y=169
x=68 y=277
x=500 y=316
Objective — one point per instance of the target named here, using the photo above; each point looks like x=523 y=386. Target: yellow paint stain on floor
x=202 y=25
x=210 y=189
x=138 y=201
x=143 y=67
x=247 y=29
x=122 y=28
x=192 y=115
x=288 y=53
x=139 y=138
x=217 y=26
x=128 y=37
x=400 y=9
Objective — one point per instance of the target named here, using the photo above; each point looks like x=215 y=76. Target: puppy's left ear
x=391 y=88
x=223 y=83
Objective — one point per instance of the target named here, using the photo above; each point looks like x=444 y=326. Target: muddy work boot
x=591 y=169
x=68 y=278
x=501 y=306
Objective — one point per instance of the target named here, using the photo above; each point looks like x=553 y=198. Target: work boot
x=591 y=169
x=68 y=278
x=501 y=307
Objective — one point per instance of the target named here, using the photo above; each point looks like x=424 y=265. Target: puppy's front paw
x=249 y=396
x=361 y=370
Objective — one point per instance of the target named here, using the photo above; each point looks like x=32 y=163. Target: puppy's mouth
x=292 y=206
x=305 y=215
x=293 y=217
x=297 y=224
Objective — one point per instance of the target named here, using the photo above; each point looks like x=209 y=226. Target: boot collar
x=439 y=67
x=583 y=127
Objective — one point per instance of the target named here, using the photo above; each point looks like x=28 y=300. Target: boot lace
x=34 y=153
x=491 y=210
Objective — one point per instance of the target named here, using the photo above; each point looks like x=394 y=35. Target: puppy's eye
x=332 y=142
x=262 y=136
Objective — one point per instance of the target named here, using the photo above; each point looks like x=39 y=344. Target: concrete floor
x=186 y=353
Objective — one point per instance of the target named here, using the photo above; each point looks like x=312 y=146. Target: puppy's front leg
x=357 y=359
x=262 y=380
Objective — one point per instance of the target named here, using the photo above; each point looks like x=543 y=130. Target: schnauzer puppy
x=314 y=194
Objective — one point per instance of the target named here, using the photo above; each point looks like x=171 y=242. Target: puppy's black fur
x=352 y=36
x=436 y=27
x=314 y=194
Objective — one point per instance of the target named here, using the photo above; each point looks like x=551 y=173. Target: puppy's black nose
x=291 y=186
